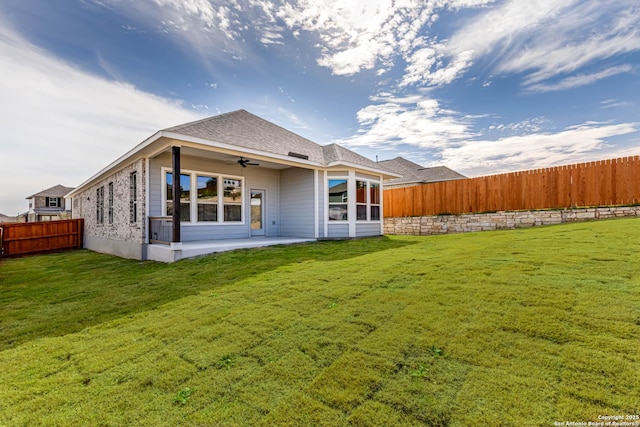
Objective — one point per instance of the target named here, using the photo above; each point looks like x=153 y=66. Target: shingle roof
x=56 y=191
x=243 y=129
x=414 y=173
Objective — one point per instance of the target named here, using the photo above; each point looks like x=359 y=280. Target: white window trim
x=329 y=203
x=55 y=203
x=368 y=203
x=193 y=201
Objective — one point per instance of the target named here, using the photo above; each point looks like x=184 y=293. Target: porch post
x=175 y=153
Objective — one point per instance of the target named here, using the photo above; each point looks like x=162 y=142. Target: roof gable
x=55 y=191
x=243 y=129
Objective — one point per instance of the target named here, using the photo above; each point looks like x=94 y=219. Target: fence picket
x=38 y=237
x=602 y=183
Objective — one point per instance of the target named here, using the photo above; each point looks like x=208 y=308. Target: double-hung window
x=374 y=201
x=367 y=200
x=207 y=198
x=100 y=205
x=361 y=200
x=338 y=199
x=232 y=199
x=133 y=198
x=185 y=196
x=110 y=203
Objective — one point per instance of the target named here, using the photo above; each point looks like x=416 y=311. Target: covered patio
x=177 y=251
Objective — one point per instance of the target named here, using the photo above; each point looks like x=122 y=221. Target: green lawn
x=516 y=328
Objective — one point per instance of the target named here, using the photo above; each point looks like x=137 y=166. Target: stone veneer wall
x=444 y=224
x=84 y=206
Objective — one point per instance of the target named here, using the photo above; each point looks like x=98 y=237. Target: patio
x=177 y=251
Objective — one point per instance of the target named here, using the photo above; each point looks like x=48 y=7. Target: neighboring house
x=49 y=205
x=414 y=174
x=232 y=176
x=6 y=218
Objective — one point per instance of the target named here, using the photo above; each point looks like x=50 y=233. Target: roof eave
x=384 y=173
x=278 y=158
x=144 y=144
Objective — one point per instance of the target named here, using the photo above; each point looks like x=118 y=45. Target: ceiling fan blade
x=244 y=162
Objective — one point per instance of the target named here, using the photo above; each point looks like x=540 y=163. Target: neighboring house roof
x=7 y=218
x=49 y=211
x=414 y=173
x=242 y=132
x=56 y=191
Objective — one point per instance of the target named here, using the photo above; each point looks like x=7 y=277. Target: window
x=53 y=202
x=133 y=197
x=110 y=203
x=361 y=200
x=367 y=199
x=338 y=197
x=232 y=199
x=100 y=205
x=185 y=196
x=207 y=198
x=374 y=201
x=200 y=199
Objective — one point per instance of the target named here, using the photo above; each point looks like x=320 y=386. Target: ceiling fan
x=244 y=162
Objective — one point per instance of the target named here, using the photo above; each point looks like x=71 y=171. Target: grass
x=509 y=328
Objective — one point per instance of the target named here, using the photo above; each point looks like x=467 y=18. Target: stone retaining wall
x=444 y=224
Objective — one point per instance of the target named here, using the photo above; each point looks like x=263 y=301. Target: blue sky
x=482 y=86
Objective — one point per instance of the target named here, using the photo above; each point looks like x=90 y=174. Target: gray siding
x=338 y=231
x=297 y=203
x=368 y=229
x=155 y=184
x=322 y=208
x=254 y=178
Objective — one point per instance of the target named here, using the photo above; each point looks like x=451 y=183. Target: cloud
x=356 y=35
x=612 y=103
x=61 y=124
x=414 y=120
x=212 y=30
x=550 y=38
x=584 y=34
x=527 y=126
x=425 y=67
x=579 y=80
x=571 y=145
x=543 y=39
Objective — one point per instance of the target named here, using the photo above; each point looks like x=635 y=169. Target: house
x=6 y=218
x=226 y=179
x=49 y=205
x=414 y=174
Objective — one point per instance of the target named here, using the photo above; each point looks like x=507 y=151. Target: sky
x=480 y=86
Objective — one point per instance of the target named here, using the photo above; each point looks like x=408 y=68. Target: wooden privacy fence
x=601 y=183
x=39 y=237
